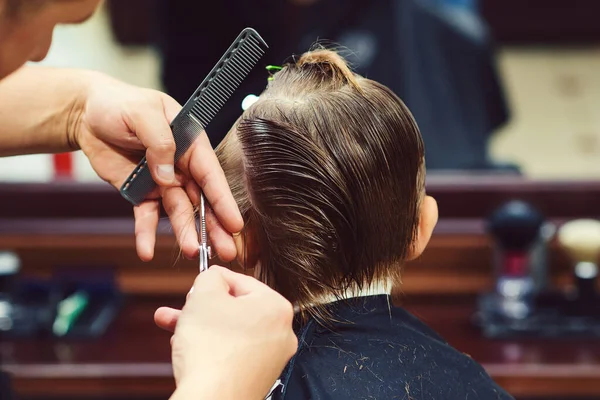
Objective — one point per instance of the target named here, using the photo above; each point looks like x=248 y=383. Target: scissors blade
x=204 y=253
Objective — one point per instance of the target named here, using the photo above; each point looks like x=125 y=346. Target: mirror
x=506 y=87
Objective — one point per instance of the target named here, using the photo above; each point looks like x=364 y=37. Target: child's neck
x=381 y=287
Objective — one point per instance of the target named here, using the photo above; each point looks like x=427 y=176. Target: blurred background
x=506 y=93
x=493 y=85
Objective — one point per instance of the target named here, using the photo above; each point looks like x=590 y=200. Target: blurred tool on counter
x=581 y=240
x=70 y=305
x=68 y=311
x=524 y=304
x=84 y=303
x=519 y=258
x=10 y=264
x=520 y=235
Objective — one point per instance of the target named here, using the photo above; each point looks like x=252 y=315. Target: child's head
x=327 y=168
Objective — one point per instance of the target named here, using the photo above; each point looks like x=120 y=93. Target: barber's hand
x=120 y=123
x=232 y=339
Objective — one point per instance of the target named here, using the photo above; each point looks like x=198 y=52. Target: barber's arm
x=49 y=110
x=40 y=109
x=231 y=340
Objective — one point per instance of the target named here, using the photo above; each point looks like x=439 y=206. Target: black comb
x=202 y=106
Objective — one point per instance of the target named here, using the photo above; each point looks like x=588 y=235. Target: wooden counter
x=132 y=359
x=546 y=369
x=457 y=261
x=87 y=226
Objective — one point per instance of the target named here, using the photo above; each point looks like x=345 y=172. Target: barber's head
x=328 y=170
x=26 y=27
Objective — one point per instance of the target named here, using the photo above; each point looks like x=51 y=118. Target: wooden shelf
x=458 y=195
x=458 y=259
x=121 y=365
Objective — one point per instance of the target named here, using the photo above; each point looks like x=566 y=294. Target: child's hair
x=327 y=168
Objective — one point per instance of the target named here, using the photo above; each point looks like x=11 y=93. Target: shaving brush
x=581 y=241
x=515 y=228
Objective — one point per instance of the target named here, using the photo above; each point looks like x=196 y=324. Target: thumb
x=211 y=281
x=240 y=284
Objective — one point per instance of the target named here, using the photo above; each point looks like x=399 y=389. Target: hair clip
x=251 y=98
x=272 y=70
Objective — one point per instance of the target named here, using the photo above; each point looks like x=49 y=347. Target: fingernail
x=166 y=172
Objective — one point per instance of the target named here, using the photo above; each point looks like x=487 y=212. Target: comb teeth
x=226 y=79
x=202 y=107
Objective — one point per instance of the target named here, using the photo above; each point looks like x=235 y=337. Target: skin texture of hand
x=112 y=122
x=117 y=122
x=232 y=338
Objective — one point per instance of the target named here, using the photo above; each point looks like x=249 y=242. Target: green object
x=67 y=312
x=273 y=69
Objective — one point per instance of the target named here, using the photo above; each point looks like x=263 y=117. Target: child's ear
x=427 y=220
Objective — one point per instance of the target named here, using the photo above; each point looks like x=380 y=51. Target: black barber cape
x=380 y=352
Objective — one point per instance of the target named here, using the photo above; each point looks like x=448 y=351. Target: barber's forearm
x=199 y=391
x=213 y=385
x=40 y=108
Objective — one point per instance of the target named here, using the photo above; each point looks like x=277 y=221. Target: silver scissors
x=204 y=247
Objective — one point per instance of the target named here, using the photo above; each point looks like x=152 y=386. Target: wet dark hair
x=327 y=168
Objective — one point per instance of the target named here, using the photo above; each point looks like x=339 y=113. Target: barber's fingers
x=217 y=280
x=166 y=318
x=146 y=222
x=210 y=281
x=237 y=284
x=171 y=106
x=248 y=291
x=156 y=193
x=221 y=241
x=193 y=191
x=205 y=169
x=150 y=123
x=181 y=213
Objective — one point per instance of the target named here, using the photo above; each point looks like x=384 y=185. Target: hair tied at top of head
x=335 y=64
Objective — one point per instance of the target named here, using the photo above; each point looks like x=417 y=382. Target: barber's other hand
x=118 y=125
x=232 y=339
